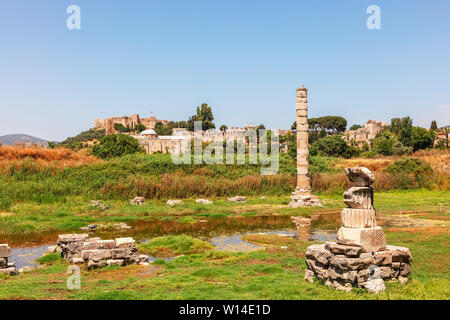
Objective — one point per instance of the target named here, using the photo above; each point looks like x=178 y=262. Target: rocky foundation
x=359 y=257
x=97 y=253
x=5 y=266
x=345 y=267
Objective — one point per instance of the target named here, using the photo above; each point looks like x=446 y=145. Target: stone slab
x=369 y=239
x=125 y=242
x=5 y=251
x=340 y=249
x=358 y=218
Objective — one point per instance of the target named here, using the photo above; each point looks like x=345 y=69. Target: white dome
x=148 y=132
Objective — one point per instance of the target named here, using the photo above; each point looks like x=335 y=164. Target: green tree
x=139 y=128
x=116 y=145
x=333 y=146
x=355 y=127
x=77 y=141
x=402 y=127
x=323 y=126
x=121 y=128
x=162 y=129
x=223 y=128
x=205 y=115
x=384 y=143
x=421 y=138
x=433 y=126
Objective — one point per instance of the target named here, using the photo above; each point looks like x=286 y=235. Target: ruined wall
x=133 y=120
x=365 y=134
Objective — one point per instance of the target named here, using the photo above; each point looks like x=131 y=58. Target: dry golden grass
x=438 y=159
x=60 y=157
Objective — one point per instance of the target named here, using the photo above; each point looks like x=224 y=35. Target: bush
x=333 y=146
x=78 y=140
x=384 y=143
x=399 y=149
x=407 y=168
x=5 y=203
x=421 y=138
x=116 y=145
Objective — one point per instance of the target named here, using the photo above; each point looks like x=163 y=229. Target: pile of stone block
x=5 y=267
x=137 y=201
x=97 y=253
x=203 y=201
x=237 y=199
x=345 y=267
x=99 y=204
x=171 y=202
x=359 y=257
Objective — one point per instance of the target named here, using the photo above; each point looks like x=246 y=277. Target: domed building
x=149 y=133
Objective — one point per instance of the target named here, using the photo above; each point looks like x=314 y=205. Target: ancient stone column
x=359 y=225
x=302 y=196
x=360 y=257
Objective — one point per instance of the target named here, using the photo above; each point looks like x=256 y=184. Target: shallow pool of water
x=225 y=234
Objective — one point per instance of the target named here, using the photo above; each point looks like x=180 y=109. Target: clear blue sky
x=245 y=58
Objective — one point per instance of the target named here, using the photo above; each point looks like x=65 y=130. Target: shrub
x=116 y=145
x=5 y=203
x=333 y=146
x=384 y=143
x=77 y=141
x=416 y=168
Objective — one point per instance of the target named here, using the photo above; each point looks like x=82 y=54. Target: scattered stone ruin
x=137 y=201
x=97 y=253
x=359 y=257
x=237 y=199
x=5 y=267
x=302 y=196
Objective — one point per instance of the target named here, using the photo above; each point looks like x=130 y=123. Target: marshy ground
x=203 y=269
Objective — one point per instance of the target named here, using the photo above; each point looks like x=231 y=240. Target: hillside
x=12 y=139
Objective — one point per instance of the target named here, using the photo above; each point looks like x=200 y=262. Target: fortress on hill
x=108 y=124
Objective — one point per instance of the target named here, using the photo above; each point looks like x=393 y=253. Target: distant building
x=365 y=134
x=441 y=136
x=108 y=123
x=152 y=143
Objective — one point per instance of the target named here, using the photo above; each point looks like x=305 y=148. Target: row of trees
x=399 y=138
x=323 y=126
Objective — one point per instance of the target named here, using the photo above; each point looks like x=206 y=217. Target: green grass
x=271 y=274
x=32 y=218
x=169 y=246
x=49 y=258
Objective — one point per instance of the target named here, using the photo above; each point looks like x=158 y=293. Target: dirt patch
x=127 y=272
x=271 y=239
x=256 y=261
x=428 y=230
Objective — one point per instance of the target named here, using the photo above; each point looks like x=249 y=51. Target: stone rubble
x=137 y=201
x=5 y=266
x=237 y=199
x=360 y=256
x=97 y=253
x=203 y=201
x=95 y=227
x=99 y=204
x=174 y=202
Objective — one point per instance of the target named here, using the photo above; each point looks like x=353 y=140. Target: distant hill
x=12 y=139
